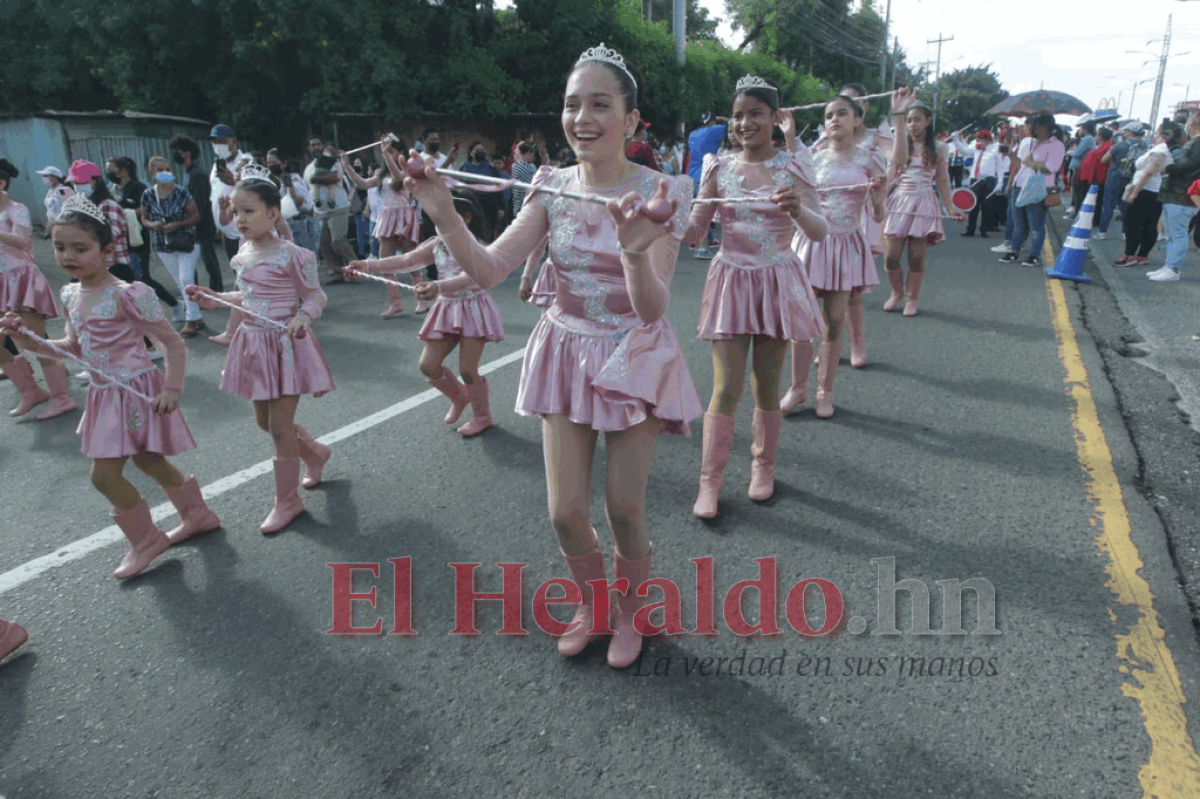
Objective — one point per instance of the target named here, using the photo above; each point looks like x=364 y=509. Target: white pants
x=182 y=267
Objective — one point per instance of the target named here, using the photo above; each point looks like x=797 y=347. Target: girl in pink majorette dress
x=850 y=173
x=913 y=214
x=757 y=295
x=602 y=359
x=132 y=409
x=463 y=315
x=398 y=225
x=274 y=357
x=25 y=291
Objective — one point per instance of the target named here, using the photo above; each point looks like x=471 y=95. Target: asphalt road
x=956 y=452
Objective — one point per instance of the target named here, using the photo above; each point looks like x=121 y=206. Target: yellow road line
x=1173 y=770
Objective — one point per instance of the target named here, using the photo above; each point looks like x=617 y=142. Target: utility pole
x=679 y=23
x=883 y=48
x=1162 y=69
x=895 y=58
x=937 y=81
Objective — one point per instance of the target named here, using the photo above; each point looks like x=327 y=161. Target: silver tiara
x=753 y=82
x=608 y=56
x=253 y=171
x=79 y=204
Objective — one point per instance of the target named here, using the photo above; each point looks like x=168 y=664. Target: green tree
x=964 y=96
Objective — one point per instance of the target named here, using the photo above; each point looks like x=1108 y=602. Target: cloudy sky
x=1074 y=47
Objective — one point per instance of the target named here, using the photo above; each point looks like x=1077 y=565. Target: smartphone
x=220 y=163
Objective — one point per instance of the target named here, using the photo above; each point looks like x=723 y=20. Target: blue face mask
x=85 y=189
x=165 y=177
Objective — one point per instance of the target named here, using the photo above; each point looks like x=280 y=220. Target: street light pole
x=937 y=80
x=1162 y=69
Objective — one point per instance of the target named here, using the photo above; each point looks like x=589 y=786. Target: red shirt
x=1091 y=171
x=639 y=149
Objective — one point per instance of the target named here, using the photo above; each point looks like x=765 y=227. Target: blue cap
x=222 y=131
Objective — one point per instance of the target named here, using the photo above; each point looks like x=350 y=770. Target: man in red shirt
x=1094 y=170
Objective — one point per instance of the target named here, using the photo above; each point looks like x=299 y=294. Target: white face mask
x=222 y=150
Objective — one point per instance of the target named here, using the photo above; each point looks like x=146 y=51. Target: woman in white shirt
x=1141 y=220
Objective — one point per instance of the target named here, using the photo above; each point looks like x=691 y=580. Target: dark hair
x=267 y=191
x=855 y=108
x=1170 y=131
x=8 y=172
x=100 y=191
x=770 y=96
x=184 y=144
x=1105 y=134
x=398 y=144
x=1089 y=128
x=854 y=87
x=523 y=133
x=524 y=149
x=274 y=151
x=429 y=130
x=631 y=84
x=465 y=200
x=100 y=231
x=929 y=156
x=121 y=162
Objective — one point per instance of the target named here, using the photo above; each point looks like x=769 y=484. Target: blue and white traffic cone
x=1069 y=265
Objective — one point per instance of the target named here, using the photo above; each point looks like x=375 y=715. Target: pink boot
x=21 y=374
x=585 y=567
x=12 y=637
x=896 y=279
x=288 y=504
x=236 y=318
x=826 y=375
x=196 y=516
x=314 y=454
x=718 y=441
x=913 y=291
x=60 y=398
x=148 y=542
x=626 y=643
x=797 y=393
x=481 y=418
x=766 y=427
x=449 y=385
x=858 y=336
x=395 y=304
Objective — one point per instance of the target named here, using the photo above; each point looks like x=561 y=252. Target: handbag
x=1053 y=198
x=1034 y=191
x=181 y=240
x=135 y=228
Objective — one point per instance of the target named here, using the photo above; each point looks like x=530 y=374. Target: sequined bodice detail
x=266 y=282
x=10 y=257
x=835 y=169
x=754 y=235
x=916 y=178
x=583 y=249
x=447 y=269
x=108 y=338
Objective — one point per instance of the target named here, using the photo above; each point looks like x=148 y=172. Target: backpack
x=1128 y=165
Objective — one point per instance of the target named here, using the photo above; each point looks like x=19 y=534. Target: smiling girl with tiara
x=757 y=297
x=602 y=358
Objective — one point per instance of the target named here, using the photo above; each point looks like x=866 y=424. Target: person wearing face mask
x=122 y=171
x=433 y=148
x=186 y=152
x=490 y=201
x=222 y=179
x=293 y=188
x=56 y=192
x=170 y=214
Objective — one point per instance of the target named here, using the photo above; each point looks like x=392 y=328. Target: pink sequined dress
x=462 y=308
x=264 y=362
x=843 y=260
x=398 y=217
x=105 y=326
x=756 y=284
x=913 y=210
x=590 y=357
x=544 y=288
x=23 y=287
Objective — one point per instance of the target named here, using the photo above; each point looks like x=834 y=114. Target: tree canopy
x=275 y=69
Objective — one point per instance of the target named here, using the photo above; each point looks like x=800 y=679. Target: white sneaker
x=1070 y=210
x=84 y=376
x=1001 y=247
x=1099 y=235
x=1165 y=274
